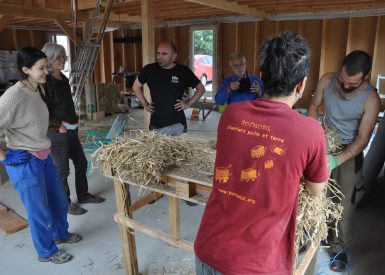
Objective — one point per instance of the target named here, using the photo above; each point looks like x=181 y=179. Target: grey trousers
x=348 y=175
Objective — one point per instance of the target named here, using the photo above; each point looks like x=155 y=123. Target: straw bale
x=144 y=156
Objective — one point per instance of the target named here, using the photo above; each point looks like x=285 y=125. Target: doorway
x=203 y=58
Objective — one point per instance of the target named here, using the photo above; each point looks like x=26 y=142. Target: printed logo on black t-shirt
x=174 y=79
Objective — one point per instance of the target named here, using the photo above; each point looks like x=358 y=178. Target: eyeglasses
x=62 y=57
x=237 y=65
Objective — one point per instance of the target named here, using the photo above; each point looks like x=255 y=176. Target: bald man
x=167 y=82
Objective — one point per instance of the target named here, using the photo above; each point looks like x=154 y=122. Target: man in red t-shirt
x=263 y=149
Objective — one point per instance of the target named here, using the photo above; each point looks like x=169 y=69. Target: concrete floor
x=99 y=253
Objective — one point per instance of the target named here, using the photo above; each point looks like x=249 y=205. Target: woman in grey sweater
x=24 y=119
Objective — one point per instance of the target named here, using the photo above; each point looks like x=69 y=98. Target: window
x=203 y=49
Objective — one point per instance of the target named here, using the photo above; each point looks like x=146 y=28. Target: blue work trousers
x=42 y=194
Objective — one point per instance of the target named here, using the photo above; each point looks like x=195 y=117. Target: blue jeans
x=203 y=269
x=42 y=194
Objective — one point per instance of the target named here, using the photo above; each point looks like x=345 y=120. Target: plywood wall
x=14 y=39
x=329 y=39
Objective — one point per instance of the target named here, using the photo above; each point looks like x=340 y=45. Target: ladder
x=87 y=52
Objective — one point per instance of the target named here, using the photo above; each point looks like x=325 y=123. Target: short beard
x=164 y=65
x=349 y=90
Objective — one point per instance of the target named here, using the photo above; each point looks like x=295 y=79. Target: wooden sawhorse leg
x=174 y=216
x=123 y=207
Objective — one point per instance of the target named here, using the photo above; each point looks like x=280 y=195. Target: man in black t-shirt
x=167 y=82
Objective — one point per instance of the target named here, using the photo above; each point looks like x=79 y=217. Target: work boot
x=75 y=209
x=59 y=258
x=72 y=238
x=88 y=198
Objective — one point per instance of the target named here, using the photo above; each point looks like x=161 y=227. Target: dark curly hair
x=284 y=61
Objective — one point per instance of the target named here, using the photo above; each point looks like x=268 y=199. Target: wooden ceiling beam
x=180 y=11
x=124 y=18
x=28 y=21
x=68 y=31
x=232 y=7
x=91 y=4
x=338 y=8
x=4 y=20
x=263 y=2
x=318 y=3
x=43 y=13
x=194 y=16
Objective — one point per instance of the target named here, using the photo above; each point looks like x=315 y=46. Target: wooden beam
x=27 y=4
x=68 y=31
x=42 y=13
x=4 y=21
x=41 y=3
x=153 y=196
x=125 y=18
x=155 y=233
x=3 y=175
x=11 y=222
x=148 y=46
x=91 y=4
x=86 y=4
x=233 y=7
x=14 y=39
x=174 y=216
x=301 y=269
x=127 y=236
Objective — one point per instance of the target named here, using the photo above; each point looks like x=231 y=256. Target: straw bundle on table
x=145 y=156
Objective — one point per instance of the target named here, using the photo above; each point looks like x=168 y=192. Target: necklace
x=29 y=86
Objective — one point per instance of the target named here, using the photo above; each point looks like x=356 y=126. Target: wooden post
x=3 y=174
x=174 y=216
x=148 y=46
x=123 y=207
x=306 y=261
x=90 y=98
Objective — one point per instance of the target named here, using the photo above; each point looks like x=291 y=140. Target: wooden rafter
x=233 y=7
x=4 y=21
x=125 y=12
x=67 y=30
x=43 y=13
x=91 y=4
x=125 y=18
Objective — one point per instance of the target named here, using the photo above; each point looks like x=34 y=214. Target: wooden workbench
x=176 y=184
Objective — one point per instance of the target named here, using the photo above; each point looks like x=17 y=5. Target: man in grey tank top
x=351 y=106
